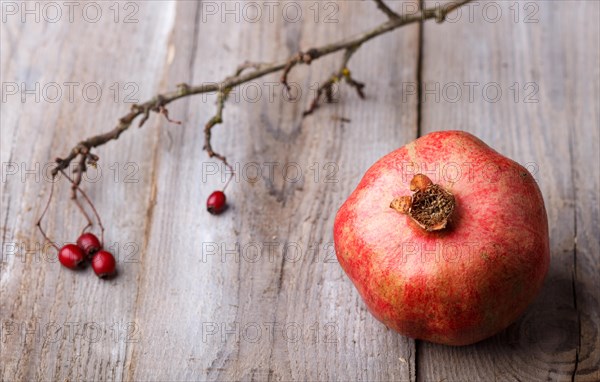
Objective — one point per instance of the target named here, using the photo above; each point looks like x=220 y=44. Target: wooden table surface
x=257 y=294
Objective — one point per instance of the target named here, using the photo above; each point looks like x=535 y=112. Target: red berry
x=104 y=264
x=216 y=203
x=71 y=256
x=89 y=243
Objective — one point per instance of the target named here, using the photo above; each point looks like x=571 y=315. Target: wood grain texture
x=548 y=77
x=61 y=325
x=185 y=311
x=256 y=294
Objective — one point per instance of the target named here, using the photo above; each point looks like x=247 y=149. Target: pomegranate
x=445 y=239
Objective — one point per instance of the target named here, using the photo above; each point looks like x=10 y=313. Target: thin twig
x=79 y=171
x=387 y=10
x=342 y=74
x=248 y=65
x=164 y=111
x=215 y=120
x=300 y=57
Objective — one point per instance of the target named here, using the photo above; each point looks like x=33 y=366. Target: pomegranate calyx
x=430 y=206
x=402 y=204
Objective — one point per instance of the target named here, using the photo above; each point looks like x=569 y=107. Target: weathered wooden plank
x=256 y=293
x=157 y=305
x=548 y=52
x=57 y=324
x=283 y=309
x=584 y=140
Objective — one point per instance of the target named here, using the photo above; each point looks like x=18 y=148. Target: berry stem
x=39 y=222
x=230 y=177
x=88 y=200
x=89 y=221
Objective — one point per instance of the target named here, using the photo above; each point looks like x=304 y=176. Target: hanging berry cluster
x=88 y=248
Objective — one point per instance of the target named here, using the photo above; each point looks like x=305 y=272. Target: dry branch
x=243 y=74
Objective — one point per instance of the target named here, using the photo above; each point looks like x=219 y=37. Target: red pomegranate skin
x=461 y=284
